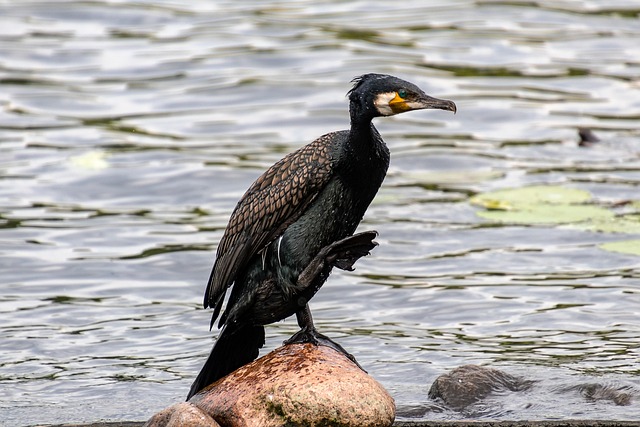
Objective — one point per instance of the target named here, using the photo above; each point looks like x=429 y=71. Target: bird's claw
x=344 y=253
x=312 y=336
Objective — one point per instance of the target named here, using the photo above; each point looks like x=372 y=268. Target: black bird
x=587 y=137
x=296 y=222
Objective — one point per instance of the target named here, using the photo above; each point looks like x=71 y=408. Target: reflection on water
x=129 y=130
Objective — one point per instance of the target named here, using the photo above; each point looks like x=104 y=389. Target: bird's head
x=375 y=95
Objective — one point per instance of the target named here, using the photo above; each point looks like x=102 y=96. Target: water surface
x=129 y=129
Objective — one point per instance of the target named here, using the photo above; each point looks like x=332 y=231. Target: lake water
x=129 y=129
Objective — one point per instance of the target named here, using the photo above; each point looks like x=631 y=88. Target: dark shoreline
x=546 y=423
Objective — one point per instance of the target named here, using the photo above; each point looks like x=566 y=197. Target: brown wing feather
x=272 y=203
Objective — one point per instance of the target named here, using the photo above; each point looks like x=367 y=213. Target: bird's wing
x=272 y=203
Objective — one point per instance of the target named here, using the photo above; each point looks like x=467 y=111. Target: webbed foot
x=311 y=335
x=344 y=253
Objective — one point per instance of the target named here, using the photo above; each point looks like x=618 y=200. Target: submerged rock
x=294 y=385
x=468 y=384
x=620 y=395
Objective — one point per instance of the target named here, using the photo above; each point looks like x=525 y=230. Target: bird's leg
x=309 y=334
x=342 y=254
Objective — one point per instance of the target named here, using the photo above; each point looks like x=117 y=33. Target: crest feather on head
x=358 y=81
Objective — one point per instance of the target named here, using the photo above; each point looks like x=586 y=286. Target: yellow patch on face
x=390 y=103
x=398 y=104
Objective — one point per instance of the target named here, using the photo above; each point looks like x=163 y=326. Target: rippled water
x=129 y=129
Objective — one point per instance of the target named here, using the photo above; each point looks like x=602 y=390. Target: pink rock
x=298 y=384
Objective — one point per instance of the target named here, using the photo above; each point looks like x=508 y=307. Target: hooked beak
x=426 y=101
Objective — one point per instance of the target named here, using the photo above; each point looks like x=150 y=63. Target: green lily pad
x=540 y=204
x=629 y=224
x=548 y=214
x=533 y=195
x=559 y=205
x=631 y=247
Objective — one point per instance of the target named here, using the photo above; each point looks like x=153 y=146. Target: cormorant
x=295 y=223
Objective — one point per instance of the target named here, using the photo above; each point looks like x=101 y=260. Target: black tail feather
x=234 y=348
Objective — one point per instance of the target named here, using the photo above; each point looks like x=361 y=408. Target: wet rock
x=180 y=415
x=298 y=384
x=471 y=383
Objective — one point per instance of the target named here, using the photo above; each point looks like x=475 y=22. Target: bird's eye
x=402 y=93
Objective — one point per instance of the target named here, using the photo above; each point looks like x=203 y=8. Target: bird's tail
x=236 y=346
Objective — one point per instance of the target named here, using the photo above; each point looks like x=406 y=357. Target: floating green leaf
x=548 y=214
x=629 y=224
x=539 y=204
x=550 y=204
x=631 y=247
x=533 y=195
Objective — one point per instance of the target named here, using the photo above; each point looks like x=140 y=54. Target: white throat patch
x=382 y=103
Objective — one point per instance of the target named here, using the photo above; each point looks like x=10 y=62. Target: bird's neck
x=364 y=137
x=364 y=163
